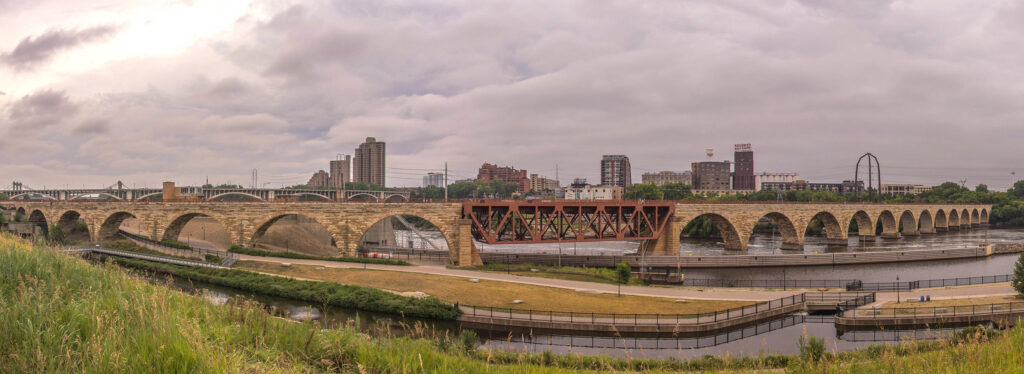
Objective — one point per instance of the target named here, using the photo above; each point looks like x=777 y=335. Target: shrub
x=811 y=348
x=361 y=260
x=1018 y=275
x=345 y=296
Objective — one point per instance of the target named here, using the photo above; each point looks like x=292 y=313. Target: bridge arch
x=965 y=218
x=925 y=223
x=984 y=216
x=446 y=230
x=96 y=193
x=835 y=232
x=975 y=218
x=887 y=222
x=21 y=211
x=68 y=222
x=396 y=199
x=27 y=195
x=149 y=195
x=325 y=198
x=38 y=218
x=363 y=197
x=865 y=225
x=174 y=228
x=954 y=220
x=791 y=238
x=320 y=229
x=940 y=220
x=222 y=195
x=908 y=223
x=730 y=236
x=112 y=224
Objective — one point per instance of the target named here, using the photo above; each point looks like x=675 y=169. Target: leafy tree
x=1018 y=275
x=622 y=274
x=4 y=196
x=677 y=191
x=981 y=188
x=462 y=190
x=428 y=192
x=643 y=191
x=1017 y=191
x=57 y=233
x=701 y=227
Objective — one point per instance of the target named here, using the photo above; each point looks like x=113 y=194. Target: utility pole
x=446 y=181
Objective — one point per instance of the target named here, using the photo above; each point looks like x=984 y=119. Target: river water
x=778 y=336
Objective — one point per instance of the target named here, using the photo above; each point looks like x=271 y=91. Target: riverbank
x=49 y=324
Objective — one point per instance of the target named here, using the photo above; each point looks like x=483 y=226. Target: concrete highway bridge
x=656 y=225
x=208 y=194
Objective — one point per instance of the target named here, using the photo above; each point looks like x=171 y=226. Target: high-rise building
x=665 y=177
x=509 y=174
x=341 y=170
x=538 y=183
x=743 y=176
x=319 y=179
x=711 y=175
x=433 y=180
x=369 y=162
x=615 y=171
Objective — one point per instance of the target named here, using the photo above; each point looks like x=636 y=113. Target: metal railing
x=143 y=256
x=935 y=311
x=635 y=319
x=851 y=284
x=226 y=258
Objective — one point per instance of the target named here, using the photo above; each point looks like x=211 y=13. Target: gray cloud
x=811 y=84
x=33 y=50
x=41 y=109
x=92 y=127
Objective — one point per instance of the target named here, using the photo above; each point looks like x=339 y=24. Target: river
x=778 y=336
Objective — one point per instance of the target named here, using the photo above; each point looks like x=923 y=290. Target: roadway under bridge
x=656 y=225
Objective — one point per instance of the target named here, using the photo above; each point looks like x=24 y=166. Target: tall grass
x=60 y=314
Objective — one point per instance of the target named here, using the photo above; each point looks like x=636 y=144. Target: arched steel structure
x=856 y=177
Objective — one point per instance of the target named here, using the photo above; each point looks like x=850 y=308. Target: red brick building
x=509 y=174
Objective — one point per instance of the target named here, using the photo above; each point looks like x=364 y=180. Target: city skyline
x=99 y=93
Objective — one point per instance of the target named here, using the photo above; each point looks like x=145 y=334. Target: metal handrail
x=227 y=258
x=933 y=311
x=636 y=318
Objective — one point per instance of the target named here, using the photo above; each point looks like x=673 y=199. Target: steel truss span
x=508 y=222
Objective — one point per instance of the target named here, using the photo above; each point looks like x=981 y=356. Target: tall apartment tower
x=341 y=171
x=369 y=162
x=743 y=179
x=615 y=171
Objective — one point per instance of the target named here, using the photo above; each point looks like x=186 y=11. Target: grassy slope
x=60 y=314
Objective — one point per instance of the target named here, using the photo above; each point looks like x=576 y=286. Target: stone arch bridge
x=657 y=225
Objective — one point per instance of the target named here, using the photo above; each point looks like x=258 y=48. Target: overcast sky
x=95 y=91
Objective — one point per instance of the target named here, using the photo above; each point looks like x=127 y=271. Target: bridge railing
x=935 y=311
x=226 y=258
x=636 y=319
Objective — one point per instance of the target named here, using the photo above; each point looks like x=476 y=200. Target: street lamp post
x=897 y=288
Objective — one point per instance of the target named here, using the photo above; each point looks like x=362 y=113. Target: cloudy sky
x=95 y=91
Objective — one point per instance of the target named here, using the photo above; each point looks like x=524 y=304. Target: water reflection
x=766 y=243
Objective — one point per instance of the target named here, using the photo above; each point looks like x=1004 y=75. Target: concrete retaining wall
x=844 y=258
